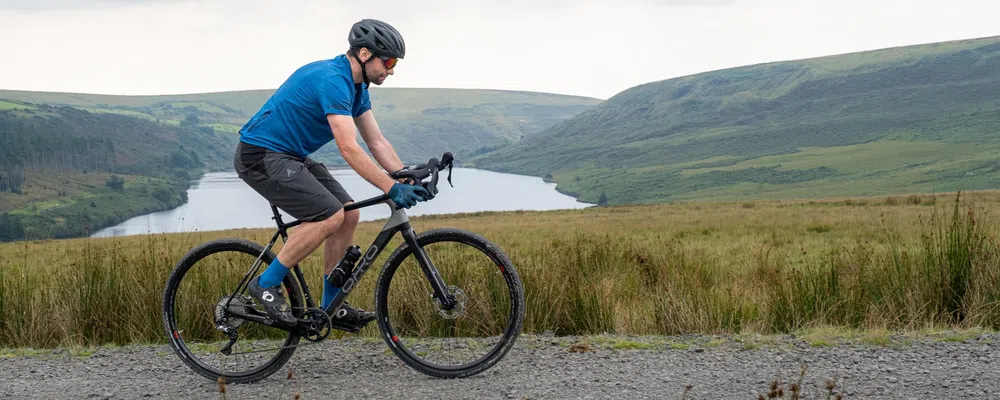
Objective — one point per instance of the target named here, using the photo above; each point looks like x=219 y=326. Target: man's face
x=378 y=70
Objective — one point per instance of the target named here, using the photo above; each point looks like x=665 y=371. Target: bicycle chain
x=300 y=344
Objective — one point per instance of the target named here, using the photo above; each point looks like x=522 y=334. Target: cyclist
x=322 y=101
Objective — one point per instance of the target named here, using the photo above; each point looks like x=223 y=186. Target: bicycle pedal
x=344 y=327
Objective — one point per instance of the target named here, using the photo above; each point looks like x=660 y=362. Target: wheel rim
x=445 y=340
x=192 y=317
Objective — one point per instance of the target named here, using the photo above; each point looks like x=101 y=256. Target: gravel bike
x=449 y=302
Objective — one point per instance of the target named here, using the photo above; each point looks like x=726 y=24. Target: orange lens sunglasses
x=389 y=63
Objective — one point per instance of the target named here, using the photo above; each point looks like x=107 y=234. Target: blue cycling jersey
x=293 y=120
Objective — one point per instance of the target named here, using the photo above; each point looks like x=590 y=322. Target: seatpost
x=277 y=215
x=277 y=220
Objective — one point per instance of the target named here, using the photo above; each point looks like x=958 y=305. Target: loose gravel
x=544 y=367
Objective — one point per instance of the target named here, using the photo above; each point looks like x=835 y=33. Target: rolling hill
x=420 y=123
x=73 y=163
x=911 y=119
x=65 y=172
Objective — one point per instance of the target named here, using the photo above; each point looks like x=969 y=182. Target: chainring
x=322 y=325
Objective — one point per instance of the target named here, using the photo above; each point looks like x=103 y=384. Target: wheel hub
x=460 y=299
x=239 y=304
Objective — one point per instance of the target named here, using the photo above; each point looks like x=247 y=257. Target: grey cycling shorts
x=301 y=187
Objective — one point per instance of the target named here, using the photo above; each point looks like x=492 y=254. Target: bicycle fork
x=398 y=222
x=433 y=277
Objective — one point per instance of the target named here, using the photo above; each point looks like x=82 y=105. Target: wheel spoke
x=473 y=335
x=198 y=290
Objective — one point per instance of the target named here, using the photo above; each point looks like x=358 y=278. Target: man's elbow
x=380 y=144
x=349 y=149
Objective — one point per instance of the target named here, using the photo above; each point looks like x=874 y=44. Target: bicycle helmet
x=379 y=37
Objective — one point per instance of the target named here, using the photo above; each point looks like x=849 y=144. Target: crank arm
x=344 y=327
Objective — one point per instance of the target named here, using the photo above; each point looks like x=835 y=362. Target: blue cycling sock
x=329 y=292
x=273 y=275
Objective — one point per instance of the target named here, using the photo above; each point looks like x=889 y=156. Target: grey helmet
x=379 y=37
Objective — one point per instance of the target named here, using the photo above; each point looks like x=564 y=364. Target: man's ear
x=364 y=54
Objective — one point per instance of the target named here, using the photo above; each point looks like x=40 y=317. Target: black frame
x=398 y=222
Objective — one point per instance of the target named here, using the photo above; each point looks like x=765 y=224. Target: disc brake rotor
x=460 y=300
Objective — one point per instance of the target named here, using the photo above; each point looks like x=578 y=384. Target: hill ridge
x=640 y=144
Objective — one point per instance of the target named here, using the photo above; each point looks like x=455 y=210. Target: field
x=896 y=263
x=46 y=188
x=7 y=105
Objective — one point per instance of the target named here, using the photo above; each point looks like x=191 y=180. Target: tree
x=190 y=120
x=603 y=201
x=180 y=159
x=11 y=228
x=195 y=159
x=13 y=181
x=116 y=183
x=163 y=194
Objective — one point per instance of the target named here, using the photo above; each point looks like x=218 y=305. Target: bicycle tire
x=170 y=318
x=514 y=320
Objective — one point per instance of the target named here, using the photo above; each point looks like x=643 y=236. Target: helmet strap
x=364 y=71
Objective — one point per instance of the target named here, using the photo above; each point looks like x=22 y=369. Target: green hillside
x=912 y=119
x=66 y=172
x=73 y=163
x=420 y=123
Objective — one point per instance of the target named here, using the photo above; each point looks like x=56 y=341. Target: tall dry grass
x=878 y=263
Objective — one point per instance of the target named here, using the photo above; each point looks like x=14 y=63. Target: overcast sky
x=588 y=47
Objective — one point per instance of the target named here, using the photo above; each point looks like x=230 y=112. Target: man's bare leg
x=334 y=249
x=339 y=240
x=307 y=237
x=301 y=242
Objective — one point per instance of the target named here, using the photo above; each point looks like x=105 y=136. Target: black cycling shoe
x=352 y=317
x=273 y=301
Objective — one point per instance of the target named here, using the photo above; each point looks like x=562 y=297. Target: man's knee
x=352 y=217
x=333 y=223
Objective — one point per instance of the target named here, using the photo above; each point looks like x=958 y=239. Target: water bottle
x=345 y=267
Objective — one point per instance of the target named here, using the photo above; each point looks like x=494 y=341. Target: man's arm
x=380 y=147
x=343 y=133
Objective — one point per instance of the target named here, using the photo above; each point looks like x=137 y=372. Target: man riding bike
x=322 y=101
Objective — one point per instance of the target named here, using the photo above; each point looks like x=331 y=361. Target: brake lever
x=448 y=160
x=450 y=165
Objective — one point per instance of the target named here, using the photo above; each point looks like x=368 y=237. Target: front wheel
x=468 y=338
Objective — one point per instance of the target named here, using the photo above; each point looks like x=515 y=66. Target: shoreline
x=338 y=170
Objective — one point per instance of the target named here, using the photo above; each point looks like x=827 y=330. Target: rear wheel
x=467 y=339
x=195 y=321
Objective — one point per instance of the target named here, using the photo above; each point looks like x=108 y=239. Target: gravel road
x=545 y=367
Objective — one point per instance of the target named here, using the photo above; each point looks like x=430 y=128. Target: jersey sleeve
x=335 y=97
x=362 y=104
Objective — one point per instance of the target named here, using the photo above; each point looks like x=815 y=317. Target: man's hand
x=407 y=195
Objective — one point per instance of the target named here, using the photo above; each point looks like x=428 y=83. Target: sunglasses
x=389 y=63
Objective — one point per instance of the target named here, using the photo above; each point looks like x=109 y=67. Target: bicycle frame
x=398 y=222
